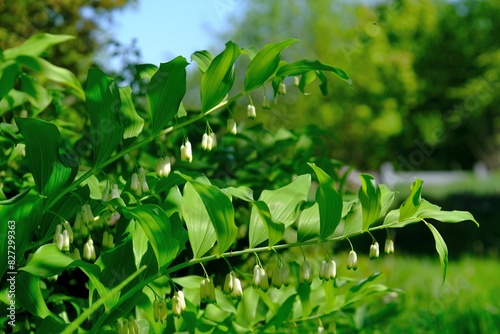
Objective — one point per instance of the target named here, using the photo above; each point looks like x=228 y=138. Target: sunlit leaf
x=35 y=45
x=275 y=230
x=219 y=77
x=146 y=71
x=203 y=59
x=156 y=224
x=441 y=248
x=411 y=204
x=29 y=296
x=265 y=63
x=309 y=225
x=370 y=198
x=166 y=91
x=283 y=205
x=303 y=66
x=329 y=202
x=129 y=118
x=103 y=105
x=52 y=72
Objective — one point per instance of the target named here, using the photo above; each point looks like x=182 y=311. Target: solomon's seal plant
x=155 y=227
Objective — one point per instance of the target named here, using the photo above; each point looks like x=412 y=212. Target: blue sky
x=168 y=28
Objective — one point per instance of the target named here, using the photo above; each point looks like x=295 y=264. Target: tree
x=414 y=66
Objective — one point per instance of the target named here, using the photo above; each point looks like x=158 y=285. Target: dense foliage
x=216 y=239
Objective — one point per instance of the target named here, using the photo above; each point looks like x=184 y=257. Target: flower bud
x=229 y=283
x=296 y=81
x=332 y=269
x=76 y=254
x=251 y=112
x=65 y=239
x=374 y=251
x=68 y=228
x=265 y=103
x=162 y=310
x=285 y=275
x=282 y=88
x=352 y=261
x=214 y=140
x=186 y=152
x=115 y=216
x=207 y=291
x=231 y=126
x=115 y=193
x=78 y=221
x=324 y=271
x=277 y=280
x=89 y=250
x=57 y=232
x=60 y=241
x=204 y=141
x=156 y=310
x=105 y=194
x=305 y=273
x=132 y=326
x=134 y=182
x=389 y=246
x=237 y=292
x=256 y=276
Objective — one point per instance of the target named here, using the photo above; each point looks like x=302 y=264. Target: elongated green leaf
x=386 y=198
x=370 y=198
x=219 y=77
x=38 y=96
x=284 y=312
x=35 y=45
x=42 y=145
x=354 y=220
x=265 y=63
x=52 y=72
x=29 y=296
x=156 y=224
x=15 y=199
x=103 y=105
x=60 y=177
x=242 y=192
x=221 y=213
x=309 y=225
x=203 y=59
x=303 y=66
x=447 y=216
x=201 y=231
x=329 y=202
x=130 y=120
x=9 y=74
x=441 y=248
x=166 y=91
x=411 y=204
x=275 y=230
x=12 y=100
x=283 y=205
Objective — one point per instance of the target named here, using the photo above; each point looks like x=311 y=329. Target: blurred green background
x=425 y=97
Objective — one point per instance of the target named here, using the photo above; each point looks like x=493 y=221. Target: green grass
x=468 y=302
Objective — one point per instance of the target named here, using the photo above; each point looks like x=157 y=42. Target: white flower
x=374 y=251
x=68 y=228
x=389 y=246
x=207 y=291
x=178 y=303
x=115 y=193
x=134 y=183
x=89 y=250
x=332 y=269
x=229 y=283
x=237 y=292
x=296 y=81
x=59 y=241
x=305 y=273
x=282 y=88
x=352 y=261
x=251 y=112
x=65 y=241
x=324 y=271
x=142 y=179
x=204 y=141
x=231 y=126
x=186 y=152
x=163 y=168
x=214 y=140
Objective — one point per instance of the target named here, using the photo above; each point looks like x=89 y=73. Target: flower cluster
x=84 y=221
x=280 y=276
x=232 y=286
x=127 y=326
x=374 y=250
x=328 y=270
x=186 y=152
x=352 y=261
x=163 y=168
x=107 y=240
x=138 y=182
x=207 y=291
x=389 y=246
x=160 y=310
x=107 y=195
x=260 y=279
x=89 y=250
x=62 y=238
x=208 y=141
x=251 y=111
x=178 y=303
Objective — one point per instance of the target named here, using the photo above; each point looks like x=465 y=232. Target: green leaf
x=15 y=199
x=354 y=220
x=274 y=230
x=201 y=231
x=38 y=96
x=146 y=71
x=131 y=121
x=303 y=66
x=9 y=77
x=166 y=91
x=103 y=105
x=283 y=205
x=264 y=64
x=242 y=192
x=12 y=100
x=203 y=58
x=386 y=197
x=220 y=211
x=219 y=77
x=308 y=223
x=447 y=216
x=42 y=147
x=52 y=72
x=370 y=198
x=329 y=202
x=441 y=248
x=11 y=132
x=36 y=45
x=284 y=312
x=156 y=224
x=411 y=204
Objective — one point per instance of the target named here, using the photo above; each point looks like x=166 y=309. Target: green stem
x=75 y=324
